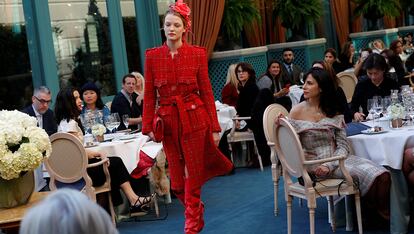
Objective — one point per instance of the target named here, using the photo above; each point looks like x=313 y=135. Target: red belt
x=182 y=105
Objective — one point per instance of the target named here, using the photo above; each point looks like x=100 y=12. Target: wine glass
x=371 y=105
x=386 y=102
x=125 y=120
x=115 y=120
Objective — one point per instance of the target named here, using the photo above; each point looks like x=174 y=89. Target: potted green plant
x=237 y=14
x=297 y=15
x=373 y=10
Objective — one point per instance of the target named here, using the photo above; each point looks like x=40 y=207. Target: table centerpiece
x=23 y=147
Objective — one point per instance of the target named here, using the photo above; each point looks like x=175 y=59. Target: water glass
x=125 y=120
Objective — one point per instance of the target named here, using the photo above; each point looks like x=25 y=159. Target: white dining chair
x=291 y=155
x=269 y=117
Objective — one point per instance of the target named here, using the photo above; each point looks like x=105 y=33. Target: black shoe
x=143 y=206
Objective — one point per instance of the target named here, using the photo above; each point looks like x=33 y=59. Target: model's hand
x=322 y=170
x=216 y=138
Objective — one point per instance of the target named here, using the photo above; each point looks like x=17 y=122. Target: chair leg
x=289 y=213
x=275 y=177
x=258 y=156
x=111 y=208
x=312 y=220
x=332 y=213
x=231 y=153
x=358 y=211
x=348 y=214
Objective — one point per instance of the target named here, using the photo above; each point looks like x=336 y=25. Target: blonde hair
x=231 y=75
x=138 y=76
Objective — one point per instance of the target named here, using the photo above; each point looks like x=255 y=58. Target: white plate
x=368 y=132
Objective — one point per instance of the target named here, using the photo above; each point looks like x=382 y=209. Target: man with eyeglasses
x=39 y=109
x=41 y=100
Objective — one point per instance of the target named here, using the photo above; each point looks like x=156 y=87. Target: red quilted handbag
x=158 y=128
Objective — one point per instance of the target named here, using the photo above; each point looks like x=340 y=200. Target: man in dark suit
x=125 y=103
x=40 y=109
x=290 y=72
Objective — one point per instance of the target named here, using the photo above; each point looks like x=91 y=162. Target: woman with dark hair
x=273 y=80
x=321 y=131
x=340 y=94
x=346 y=57
x=377 y=84
x=248 y=90
x=91 y=95
x=67 y=109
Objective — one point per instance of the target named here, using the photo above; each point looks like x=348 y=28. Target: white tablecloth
x=127 y=150
x=225 y=113
x=384 y=149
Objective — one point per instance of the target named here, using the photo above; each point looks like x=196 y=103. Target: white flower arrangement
x=396 y=111
x=98 y=130
x=23 y=145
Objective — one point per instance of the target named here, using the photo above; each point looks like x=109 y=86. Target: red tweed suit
x=186 y=105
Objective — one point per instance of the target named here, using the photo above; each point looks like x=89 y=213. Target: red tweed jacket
x=186 y=105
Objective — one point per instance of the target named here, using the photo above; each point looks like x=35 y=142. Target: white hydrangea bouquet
x=23 y=145
x=396 y=111
x=98 y=130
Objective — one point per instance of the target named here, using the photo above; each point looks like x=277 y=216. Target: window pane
x=131 y=37
x=82 y=43
x=16 y=85
x=162 y=8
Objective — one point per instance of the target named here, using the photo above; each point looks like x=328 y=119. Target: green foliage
x=295 y=13
x=237 y=14
x=375 y=9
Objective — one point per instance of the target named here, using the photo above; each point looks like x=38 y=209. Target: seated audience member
x=67 y=108
x=316 y=116
x=230 y=93
x=91 y=96
x=359 y=71
x=377 y=46
x=139 y=88
x=342 y=101
x=39 y=109
x=397 y=47
x=41 y=100
x=272 y=80
x=290 y=71
x=396 y=67
x=346 y=57
x=377 y=84
x=125 y=103
x=67 y=211
x=248 y=92
x=330 y=56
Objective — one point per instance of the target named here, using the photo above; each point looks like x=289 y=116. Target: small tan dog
x=158 y=175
